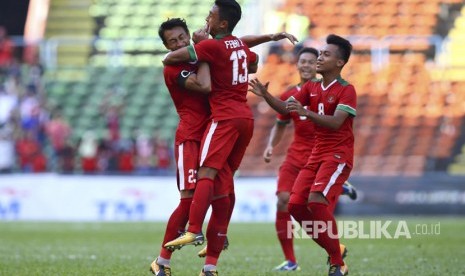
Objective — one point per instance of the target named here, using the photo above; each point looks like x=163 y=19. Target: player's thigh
x=329 y=179
x=187 y=163
x=244 y=128
x=217 y=144
x=286 y=177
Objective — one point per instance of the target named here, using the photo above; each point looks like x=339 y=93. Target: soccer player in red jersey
x=296 y=157
x=331 y=105
x=230 y=129
x=184 y=81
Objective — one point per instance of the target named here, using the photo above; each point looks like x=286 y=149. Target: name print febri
x=232 y=44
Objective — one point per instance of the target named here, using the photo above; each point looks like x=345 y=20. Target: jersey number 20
x=239 y=74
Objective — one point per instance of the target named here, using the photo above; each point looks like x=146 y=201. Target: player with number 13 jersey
x=229 y=59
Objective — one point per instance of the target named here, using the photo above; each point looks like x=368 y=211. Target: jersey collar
x=220 y=36
x=329 y=85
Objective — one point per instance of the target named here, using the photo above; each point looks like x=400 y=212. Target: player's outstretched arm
x=254 y=40
x=262 y=91
x=200 y=81
x=180 y=55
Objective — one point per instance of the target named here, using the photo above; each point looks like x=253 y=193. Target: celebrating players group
x=208 y=82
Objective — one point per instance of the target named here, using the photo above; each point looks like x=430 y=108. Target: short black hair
x=344 y=46
x=310 y=50
x=230 y=11
x=170 y=24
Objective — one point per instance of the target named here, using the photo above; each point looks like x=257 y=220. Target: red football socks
x=285 y=236
x=321 y=214
x=309 y=217
x=299 y=212
x=176 y=225
x=217 y=229
x=232 y=202
x=203 y=196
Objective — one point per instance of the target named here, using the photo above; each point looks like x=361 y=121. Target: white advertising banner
x=51 y=197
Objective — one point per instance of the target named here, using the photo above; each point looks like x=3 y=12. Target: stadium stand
x=409 y=76
x=70 y=20
x=111 y=49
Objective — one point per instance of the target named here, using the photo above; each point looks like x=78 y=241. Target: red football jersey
x=229 y=59
x=337 y=145
x=192 y=107
x=304 y=133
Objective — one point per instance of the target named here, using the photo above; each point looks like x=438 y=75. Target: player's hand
x=258 y=88
x=292 y=105
x=200 y=34
x=284 y=35
x=267 y=154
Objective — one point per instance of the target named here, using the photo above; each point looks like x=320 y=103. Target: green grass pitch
x=38 y=248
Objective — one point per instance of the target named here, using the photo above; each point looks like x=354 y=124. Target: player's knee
x=317 y=197
x=207 y=172
x=283 y=200
x=186 y=193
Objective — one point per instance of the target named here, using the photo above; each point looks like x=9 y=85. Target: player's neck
x=303 y=81
x=222 y=34
x=329 y=77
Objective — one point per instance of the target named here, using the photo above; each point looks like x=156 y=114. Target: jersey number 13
x=239 y=75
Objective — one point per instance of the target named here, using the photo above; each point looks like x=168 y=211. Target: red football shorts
x=225 y=142
x=287 y=175
x=323 y=176
x=187 y=163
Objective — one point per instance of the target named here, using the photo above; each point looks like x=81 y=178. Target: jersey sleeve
x=253 y=58
x=205 y=50
x=170 y=74
x=348 y=101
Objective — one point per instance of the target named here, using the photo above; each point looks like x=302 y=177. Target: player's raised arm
x=201 y=34
x=262 y=91
x=254 y=40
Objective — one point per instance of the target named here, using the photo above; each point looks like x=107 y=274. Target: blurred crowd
x=295 y=22
x=36 y=137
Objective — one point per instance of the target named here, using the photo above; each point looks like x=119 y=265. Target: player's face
x=213 y=20
x=307 y=66
x=176 y=38
x=329 y=59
